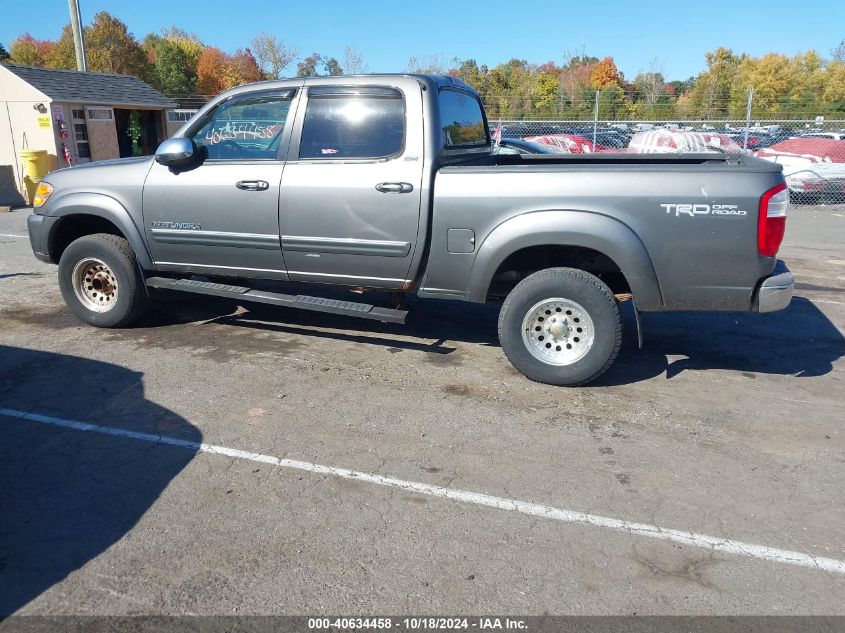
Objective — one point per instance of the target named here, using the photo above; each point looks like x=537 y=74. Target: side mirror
x=177 y=152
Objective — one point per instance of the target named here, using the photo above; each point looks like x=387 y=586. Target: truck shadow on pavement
x=67 y=495
x=798 y=341
x=433 y=323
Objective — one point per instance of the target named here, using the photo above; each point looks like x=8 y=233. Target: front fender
x=102 y=206
x=568 y=228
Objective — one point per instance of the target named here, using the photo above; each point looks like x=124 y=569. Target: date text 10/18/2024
x=417 y=623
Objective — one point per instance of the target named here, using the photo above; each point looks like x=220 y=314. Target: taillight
x=771 y=222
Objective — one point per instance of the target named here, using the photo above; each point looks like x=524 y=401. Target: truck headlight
x=41 y=194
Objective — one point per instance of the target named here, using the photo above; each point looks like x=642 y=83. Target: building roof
x=99 y=88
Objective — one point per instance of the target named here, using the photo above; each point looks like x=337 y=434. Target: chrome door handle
x=395 y=187
x=252 y=185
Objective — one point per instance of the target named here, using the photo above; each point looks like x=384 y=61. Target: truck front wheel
x=100 y=281
x=561 y=326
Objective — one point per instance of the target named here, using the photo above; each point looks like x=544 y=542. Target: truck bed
x=705 y=260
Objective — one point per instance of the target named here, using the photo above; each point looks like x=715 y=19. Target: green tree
x=612 y=103
x=469 y=72
x=172 y=71
x=63 y=53
x=332 y=66
x=544 y=93
x=29 y=51
x=308 y=66
x=770 y=78
x=4 y=54
x=677 y=87
x=111 y=48
x=833 y=95
x=190 y=44
x=711 y=95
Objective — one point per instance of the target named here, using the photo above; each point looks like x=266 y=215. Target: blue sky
x=387 y=33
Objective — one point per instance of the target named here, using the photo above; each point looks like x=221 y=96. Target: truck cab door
x=221 y=214
x=350 y=199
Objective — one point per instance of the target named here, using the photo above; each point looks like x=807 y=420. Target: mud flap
x=639 y=323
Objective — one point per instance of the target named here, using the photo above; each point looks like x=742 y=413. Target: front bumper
x=775 y=292
x=39 y=232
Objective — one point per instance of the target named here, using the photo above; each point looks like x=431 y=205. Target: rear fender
x=568 y=228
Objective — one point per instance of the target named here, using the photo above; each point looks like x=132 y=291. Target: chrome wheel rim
x=95 y=285
x=558 y=331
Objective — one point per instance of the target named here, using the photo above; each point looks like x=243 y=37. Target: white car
x=836 y=136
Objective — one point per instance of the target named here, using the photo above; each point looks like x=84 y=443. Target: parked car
x=389 y=182
x=813 y=165
x=681 y=141
x=835 y=136
x=521 y=146
x=565 y=143
x=607 y=138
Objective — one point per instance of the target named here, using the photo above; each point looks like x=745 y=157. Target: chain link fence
x=811 y=150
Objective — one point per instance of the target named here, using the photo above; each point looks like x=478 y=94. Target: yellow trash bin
x=35 y=164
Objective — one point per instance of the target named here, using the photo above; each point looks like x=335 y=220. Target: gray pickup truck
x=390 y=183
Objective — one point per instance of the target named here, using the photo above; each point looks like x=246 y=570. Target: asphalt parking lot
x=729 y=427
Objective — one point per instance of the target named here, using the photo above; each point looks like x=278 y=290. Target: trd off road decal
x=693 y=210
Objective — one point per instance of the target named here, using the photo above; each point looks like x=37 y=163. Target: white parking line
x=729 y=546
x=23 y=237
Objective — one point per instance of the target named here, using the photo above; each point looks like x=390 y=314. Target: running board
x=303 y=302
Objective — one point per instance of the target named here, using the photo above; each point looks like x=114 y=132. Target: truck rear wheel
x=100 y=281
x=561 y=326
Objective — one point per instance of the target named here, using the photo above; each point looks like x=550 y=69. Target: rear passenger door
x=349 y=207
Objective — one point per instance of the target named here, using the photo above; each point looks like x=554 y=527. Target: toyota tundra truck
x=391 y=183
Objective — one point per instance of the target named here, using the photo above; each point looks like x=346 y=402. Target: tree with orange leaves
x=605 y=74
x=29 y=51
x=211 y=71
x=244 y=68
x=217 y=71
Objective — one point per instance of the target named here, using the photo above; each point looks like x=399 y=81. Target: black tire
x=582 y=291
x=121 y=279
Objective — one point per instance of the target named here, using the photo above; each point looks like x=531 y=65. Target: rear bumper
x=39 y=232
x=775 y=292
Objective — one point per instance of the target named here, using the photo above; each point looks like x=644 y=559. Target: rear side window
x=463 y=121
x=359 y=124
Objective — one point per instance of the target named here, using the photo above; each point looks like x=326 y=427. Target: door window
x=248 y=128
x=360 y=124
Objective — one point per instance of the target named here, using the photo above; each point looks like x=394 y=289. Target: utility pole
x=596 y=120
x=748 y=118
x=78 y=43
